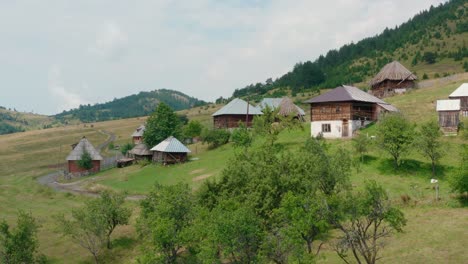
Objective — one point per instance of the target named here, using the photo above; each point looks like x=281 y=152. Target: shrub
x=215 y=137
x=425 y=77
x=126 y=148
x=85 y=162
x=405 y=199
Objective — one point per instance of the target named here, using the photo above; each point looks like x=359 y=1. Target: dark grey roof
x=171 y=144
x=83 y=145
x=345 y=93
x=238 y=107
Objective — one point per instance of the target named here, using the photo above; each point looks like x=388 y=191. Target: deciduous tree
x=428 y=143
x=162 y=123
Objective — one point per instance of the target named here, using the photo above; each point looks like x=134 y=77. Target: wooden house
x=285 y=106
x=137 y=136
x=343 y=110
x=392 y=78
x=461 y=93
x=76 y=154
x=449 y=115
x=234 y=112
x=170 y=151
x=140 y=152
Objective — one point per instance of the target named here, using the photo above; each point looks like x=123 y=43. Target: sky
x=58 y=54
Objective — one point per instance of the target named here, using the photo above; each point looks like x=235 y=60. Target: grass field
x=436 y=231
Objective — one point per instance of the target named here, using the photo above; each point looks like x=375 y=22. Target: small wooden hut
x=461 y=93
x=392 y=78
x=235 y=111
x=449 y=115
x=285 y=106
x=343 y=110
x=140 y=152
x=137 y=136
x=170 y=151
x=76 y=154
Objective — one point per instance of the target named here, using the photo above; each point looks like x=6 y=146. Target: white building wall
x=336 y=128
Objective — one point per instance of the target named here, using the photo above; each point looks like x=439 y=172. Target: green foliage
x=215 y=137
x=364 y=219
x=395 y=135
x=193 y=129
x=425 y=77
x=162 y=123
x=427 y=142
x=125 y=148
x=85 y=161
x=459 y=180
x=361 y=145
x=19 y=245
x=140 y=104
x=6 y=128
x=429 y=57
x=163 y=225
x=271 y=124
x=241 y=136
x=111 y=146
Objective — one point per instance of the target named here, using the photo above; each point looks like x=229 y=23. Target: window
x=326 y=128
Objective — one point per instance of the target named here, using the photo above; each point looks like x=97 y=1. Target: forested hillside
x=12 y=121
x=140 y=104
x=432 y=43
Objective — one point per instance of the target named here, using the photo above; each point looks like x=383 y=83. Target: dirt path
x=50 y=180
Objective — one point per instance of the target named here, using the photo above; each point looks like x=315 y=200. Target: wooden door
x=345 y=128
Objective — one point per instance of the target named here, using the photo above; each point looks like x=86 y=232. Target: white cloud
x=64 y=99
x=111 y=42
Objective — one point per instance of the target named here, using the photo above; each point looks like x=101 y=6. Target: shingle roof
x=140 y=149
x=139 y=131
x=393 y=71
x=238 y=107
x=84 y=144
x=448 y=105
x=345 y=93
x=171 y=144
x=460 y=91
x=276 y=103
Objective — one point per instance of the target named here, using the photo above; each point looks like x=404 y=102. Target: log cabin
x=137 y=136
x=461 y=93
x=234 y=112
x=449 y=115
x=392 y=78
x=76 y=154
x=140 y=152
x=343 y=110
x=170 y=151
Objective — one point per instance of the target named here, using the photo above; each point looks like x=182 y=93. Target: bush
x=425 y=77
x=215 y=137
x=86 y=162
x=126 y=148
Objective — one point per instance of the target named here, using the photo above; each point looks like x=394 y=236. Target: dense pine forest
x=432 y=36
x=140 y=104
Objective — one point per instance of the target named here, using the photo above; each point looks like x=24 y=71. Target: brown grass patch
x=202 y=177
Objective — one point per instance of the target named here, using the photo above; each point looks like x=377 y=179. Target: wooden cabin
x=393 y=78
x=449 y=115
x=461 y=93
x=170 y=151
x=137 y=136
x=285 y=106
x=343 y=110
x=76 y=154
x=140 y=152
x=234 y=112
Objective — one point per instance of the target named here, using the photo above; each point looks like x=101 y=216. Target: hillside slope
x=432 y=44
x=135 y=105
x=12 y=121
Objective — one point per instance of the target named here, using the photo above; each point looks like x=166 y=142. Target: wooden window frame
x=326 y=128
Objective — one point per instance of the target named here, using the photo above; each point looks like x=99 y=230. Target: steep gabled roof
x=171 y=144
x=345 y=93
x=140 y=149
x=393 y=71
x=277 y=103
x=238 y=107
x=139 y=131
x=461 y=91
x=83 y=145
x=448 y=105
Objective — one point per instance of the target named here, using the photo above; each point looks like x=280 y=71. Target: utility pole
x=247 y=115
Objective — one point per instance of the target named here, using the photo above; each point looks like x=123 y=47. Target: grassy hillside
x=141 y=104
x=432 y=44
x=12 y=121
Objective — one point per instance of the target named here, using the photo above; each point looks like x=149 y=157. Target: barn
x=449 y=115
x=137 y=136
x=461 y=93
x=392 y=78
x=77 y=152
x=170 y=151
x=140 y=152
x=285 y=106
x=343 y=110
x=235 y=111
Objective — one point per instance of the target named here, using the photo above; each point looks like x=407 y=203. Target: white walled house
x=343 y=110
